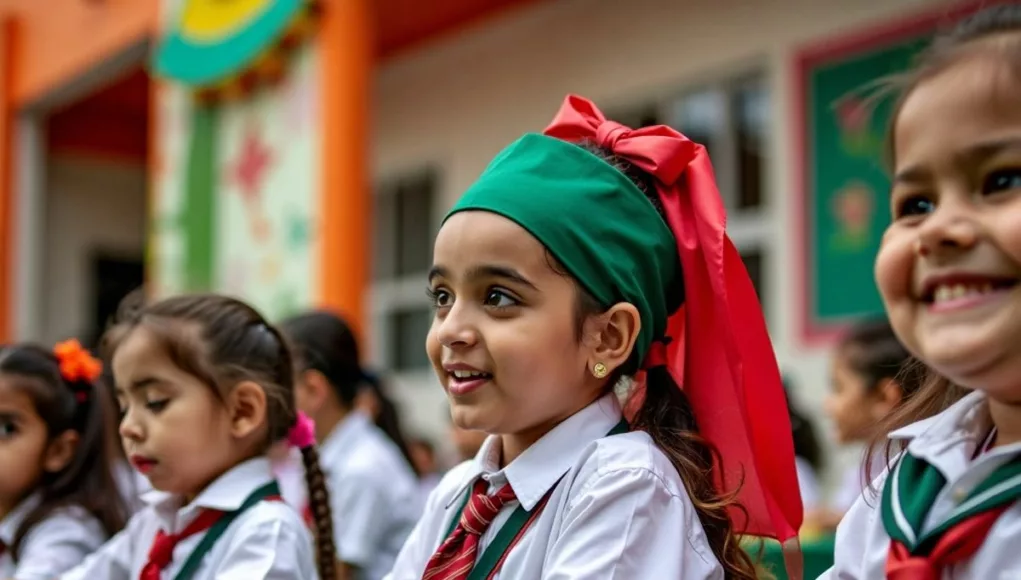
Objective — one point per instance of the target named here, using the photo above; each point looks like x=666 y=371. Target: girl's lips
x=142 y=464
x=460 y=387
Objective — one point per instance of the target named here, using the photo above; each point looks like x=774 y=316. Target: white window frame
x=749 y=228
x=389 y=296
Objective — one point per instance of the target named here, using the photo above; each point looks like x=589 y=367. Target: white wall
x=457 y=102
x=90 y=205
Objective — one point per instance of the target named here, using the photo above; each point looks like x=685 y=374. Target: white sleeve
x=111 y=562
x=626 y=524
x=361 y=515
x=57 y=544
x=853 y=535
x=269 y=544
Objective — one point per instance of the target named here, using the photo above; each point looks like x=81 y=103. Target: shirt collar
x=968 y=417
x=226 y=493
x=344 y=434
x=10 y=524
x=541 y=466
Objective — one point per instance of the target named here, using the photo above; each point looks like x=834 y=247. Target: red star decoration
x=251 y=165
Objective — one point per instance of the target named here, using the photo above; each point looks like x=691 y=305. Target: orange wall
x=55 y=40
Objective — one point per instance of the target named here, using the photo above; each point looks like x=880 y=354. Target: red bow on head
x=731 y=376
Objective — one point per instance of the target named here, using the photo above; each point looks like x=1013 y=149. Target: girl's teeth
x=468 y=374
x=956 y=291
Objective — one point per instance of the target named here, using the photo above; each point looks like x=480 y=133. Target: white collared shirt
x=268 y=541
x=374 y=494
x=52 y=546
x=948 y=441
x=620 y=512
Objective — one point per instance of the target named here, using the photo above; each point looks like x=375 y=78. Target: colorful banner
x=236 y=190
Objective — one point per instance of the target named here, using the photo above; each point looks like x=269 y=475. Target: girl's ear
x=611 y=335
x=60 y=451
x=247 y=407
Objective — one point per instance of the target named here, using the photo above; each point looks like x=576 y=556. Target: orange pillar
x=7 y=241
x=346 y=49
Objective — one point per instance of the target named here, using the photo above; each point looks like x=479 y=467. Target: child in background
x=374 y=490
x=580 y=257
x=870 y=377
x=949 y=273
x=58 y=499
x=205 y=387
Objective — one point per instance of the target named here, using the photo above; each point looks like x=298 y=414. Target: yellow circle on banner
x=211 y=20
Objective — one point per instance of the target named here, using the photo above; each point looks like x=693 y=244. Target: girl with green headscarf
x=586 y=255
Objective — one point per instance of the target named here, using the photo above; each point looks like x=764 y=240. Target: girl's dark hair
x=806 y=440
x=991 y=31
x=87 y=481
x=666 y=415
x=223 y=341
x=324 y=342
x=874 y=353
x=389 y=419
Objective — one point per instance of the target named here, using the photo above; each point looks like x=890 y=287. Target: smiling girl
x=948 y=271
x=561 y=271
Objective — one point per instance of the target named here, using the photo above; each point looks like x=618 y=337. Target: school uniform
x=373 y=495
x=52 y=546
x=265 y=538
x=951 y=443
x=614 y=507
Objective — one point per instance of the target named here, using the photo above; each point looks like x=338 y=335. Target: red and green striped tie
x=455 y=557
x=908 y=495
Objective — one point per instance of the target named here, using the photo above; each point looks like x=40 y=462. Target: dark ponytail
x=663 y=411
x=87 y=481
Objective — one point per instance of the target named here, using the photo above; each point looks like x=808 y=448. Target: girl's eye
x=499 y=299
x=1002 y=180
x=440 y=298
x=7 y=429
x=157 y=406
x=914 y=205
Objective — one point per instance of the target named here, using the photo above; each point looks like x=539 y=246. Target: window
x=403 y=233
x=730 y=118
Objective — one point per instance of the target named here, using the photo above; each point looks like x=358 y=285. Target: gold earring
x=600 y=371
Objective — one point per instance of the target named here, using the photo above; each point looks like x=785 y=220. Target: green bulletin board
x=843 y=109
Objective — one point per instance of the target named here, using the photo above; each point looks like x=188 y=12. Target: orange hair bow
x=76 y=364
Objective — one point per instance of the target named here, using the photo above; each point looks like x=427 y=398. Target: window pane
x=414 y=225
x=753 y=263
x=701 y=117
x=642 y=116
x=384 y=220
x=751 y=104
x=407 y=330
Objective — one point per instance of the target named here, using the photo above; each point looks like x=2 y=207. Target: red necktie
x=162 y=550
x=456 y=556
x=957 y=544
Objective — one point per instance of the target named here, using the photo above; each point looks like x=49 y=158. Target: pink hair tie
x=303 y=433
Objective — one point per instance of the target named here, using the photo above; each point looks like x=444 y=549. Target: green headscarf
x=592 y=218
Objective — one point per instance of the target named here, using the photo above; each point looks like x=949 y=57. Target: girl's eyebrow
x=486 y=271
x=139 y=384
x=972 y=153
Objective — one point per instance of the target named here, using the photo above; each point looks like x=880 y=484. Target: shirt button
x=959 y=494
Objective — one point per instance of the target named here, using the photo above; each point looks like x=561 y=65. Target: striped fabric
x=456 y=555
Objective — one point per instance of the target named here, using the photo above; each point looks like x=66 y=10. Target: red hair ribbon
x=76 y=364
x=718 y=349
